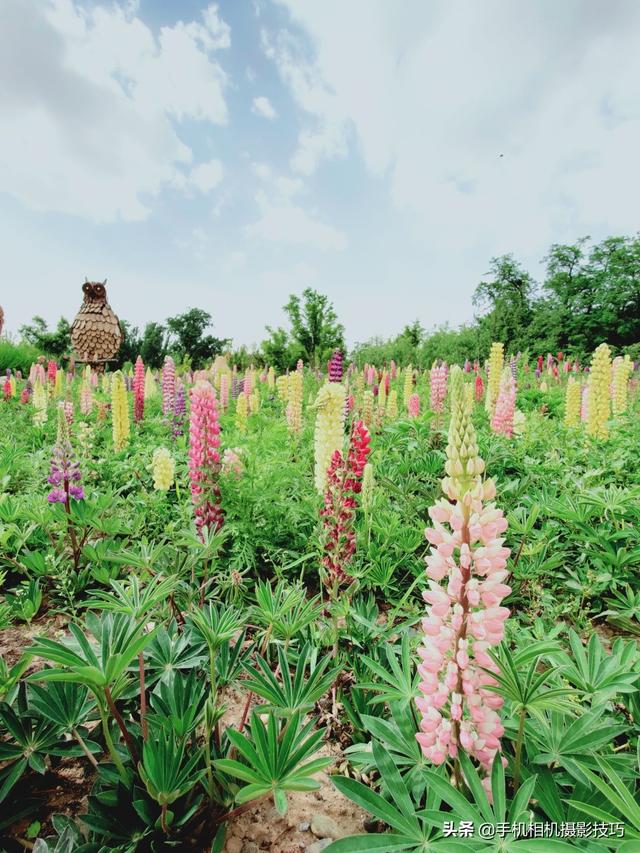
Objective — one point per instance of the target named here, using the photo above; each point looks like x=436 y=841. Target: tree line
x=590 y=293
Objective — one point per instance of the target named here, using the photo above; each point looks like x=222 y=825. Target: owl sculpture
x=95 y=334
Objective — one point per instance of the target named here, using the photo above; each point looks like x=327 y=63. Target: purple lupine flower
x=65 y=474
x=336 y=366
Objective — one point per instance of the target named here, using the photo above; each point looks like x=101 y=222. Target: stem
x=518 y=754
x=163 y=818
x=461 y=635
x=111 y=747
x=121 y=724
x=243 y=808
x=143 y=698
x=85 y=748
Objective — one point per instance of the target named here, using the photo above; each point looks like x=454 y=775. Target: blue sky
x=226 y=155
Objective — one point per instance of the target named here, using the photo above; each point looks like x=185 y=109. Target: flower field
x=352 y=608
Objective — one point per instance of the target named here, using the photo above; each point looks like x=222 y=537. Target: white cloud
x=283 y=222
x=433 y=93
x=87 y=123
x=262 y=107
x=206 y=176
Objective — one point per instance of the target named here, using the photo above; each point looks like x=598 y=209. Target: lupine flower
x=343 y=484
x=40 y=414
x=67 y=409
x=464 y=618
x=58 y=385
x=599 y=393
x=502 y=418
x=65 y=475
x=224 y=390
x=254 y=401
x=438 y=387
x=247 y=387
x=479 y=388
x=408 y=384
x=150 y=386
x=368 y=487
x=179 y=411
x=367 y=407
x=52 y=371
x=232 y=464
x=25 y=396
x=168 y=386
x=294 y=406
x=37 y=374
x=371 y=375
x=119 y=411
x=282 y=386
x=622 y=369
x=392 y=405
x=413 y=409
x=572 y=403
x=393 y=369
x=86 y=398
x=7 y=389
x=204 y=458
x=329 y=432
x=271 y=378
x=496 y=361
x=336 y=366
x=163 y=469
x=300 y=365
x=242 y=412
x=138 y=390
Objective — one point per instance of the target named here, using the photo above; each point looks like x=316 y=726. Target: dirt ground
x=311 y=820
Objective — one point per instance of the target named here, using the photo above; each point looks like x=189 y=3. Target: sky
x=225 y=155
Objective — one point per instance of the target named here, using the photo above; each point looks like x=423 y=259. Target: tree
x=507 y=300
x=279 y=350
x=314 y=326
x=56 y=343
x=130 y=346
x=189 y=339
x=153 y=344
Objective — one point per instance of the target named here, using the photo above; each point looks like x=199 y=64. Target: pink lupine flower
x=224 y=390
x=413 y=406
x=502 y=419
x=204 y=458
x=138 y=390
x=479 y=388
x=438 y=380
x=52 y=370
x=466 y=570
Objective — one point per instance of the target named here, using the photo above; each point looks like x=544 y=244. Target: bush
x=17 y=356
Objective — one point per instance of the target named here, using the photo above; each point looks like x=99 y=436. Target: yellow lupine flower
x=150 y=385
x=58 y=388
x=599 y=393
x=408 y=384
x=163 y=468
x=40 y=414
x=496 y=363
x=271 y=377
x=329 y=434
x=254 y=401
x=392 y=405
x=294 y=406
x=119 y=411
x=368 y=486
x=572 y=403
x=282 y=385
x=464 y=466
x=367 y=407
x=622 y=369
x=242 y=412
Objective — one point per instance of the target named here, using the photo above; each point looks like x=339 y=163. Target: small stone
x=318 y=846
x=250 y=847
x=304 y=826
x=234 y=845
x=324 y=826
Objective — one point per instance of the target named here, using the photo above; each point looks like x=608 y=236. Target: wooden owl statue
x=95 y=334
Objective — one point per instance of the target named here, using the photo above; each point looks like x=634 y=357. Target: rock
x=304 y=826
x=324 y=826
x=234 y=845
x=250 y=847
x=318 y=846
